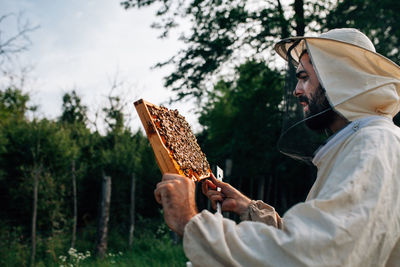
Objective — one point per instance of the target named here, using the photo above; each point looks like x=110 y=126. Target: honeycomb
x=178 y=138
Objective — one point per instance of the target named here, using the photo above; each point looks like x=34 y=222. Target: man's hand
x=177 y=196
x=231 y=198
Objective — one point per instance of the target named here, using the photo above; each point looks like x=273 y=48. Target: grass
x=150 y=248
x=145 y=252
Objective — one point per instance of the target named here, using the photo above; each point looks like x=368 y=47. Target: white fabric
x=351 y=36
x=350 y=218
x=358 y=83
x=258 y=211
x=343 y=134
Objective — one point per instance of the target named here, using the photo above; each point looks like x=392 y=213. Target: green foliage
x=49 y=149
x=224 y=33
x=221 y=33
x=244 y=110
x=72 y=109
x=13 y=104
x=149 y=249
x=242 y=122
x=379 y=20
x=114 y=116
x=31 y=146
x=13 y=252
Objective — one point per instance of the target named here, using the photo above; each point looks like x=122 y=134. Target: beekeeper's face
x=307 y=83
x=311 y=96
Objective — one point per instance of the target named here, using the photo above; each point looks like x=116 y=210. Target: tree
x=114 y=116
x=73 y=111
x=13 y=101
x=224 y=34
x=379 y=20
x=74 y=118
x=16 y=42
x=19 y=161
x=36 y=156
x=13 y=104
x=242 y=122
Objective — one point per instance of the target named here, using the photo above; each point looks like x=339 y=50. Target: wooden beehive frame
x=163 y=155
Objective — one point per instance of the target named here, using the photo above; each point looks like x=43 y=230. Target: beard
x=320 y=114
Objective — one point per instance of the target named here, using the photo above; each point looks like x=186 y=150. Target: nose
x=298 y=91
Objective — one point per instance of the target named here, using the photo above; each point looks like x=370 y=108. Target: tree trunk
x=36 y=172
x=299 y=17
x=284 y=24
x=75 y=219
x=102 y=229
x=269 y=187
x=228 y=168
x=132 y=210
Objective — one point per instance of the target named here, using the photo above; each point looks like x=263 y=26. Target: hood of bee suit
x=358 y=81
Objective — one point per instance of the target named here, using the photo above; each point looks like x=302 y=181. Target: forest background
x=52 y=170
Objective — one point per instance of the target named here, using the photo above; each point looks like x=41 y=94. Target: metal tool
x=220 y=175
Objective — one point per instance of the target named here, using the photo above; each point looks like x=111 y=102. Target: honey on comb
x=177 y=136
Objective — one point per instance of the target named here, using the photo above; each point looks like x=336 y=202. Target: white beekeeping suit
x=352 y=214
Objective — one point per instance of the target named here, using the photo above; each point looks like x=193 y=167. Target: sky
x=86 y=46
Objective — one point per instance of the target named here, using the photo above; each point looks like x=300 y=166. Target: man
x=351 y=216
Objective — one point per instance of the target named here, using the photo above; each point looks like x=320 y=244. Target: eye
x=303 y=77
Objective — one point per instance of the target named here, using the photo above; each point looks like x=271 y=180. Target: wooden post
x=104 y=216
x=132 y=210
x=36 y=174
x=75 y=219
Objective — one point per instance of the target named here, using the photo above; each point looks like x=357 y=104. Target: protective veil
x=297 y=140
x=352 y=214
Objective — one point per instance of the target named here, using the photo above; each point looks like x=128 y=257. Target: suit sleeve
x=258 y=211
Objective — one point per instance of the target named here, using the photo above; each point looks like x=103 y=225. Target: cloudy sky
x=86 y=45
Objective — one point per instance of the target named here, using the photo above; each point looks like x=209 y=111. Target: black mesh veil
x=297 y=140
